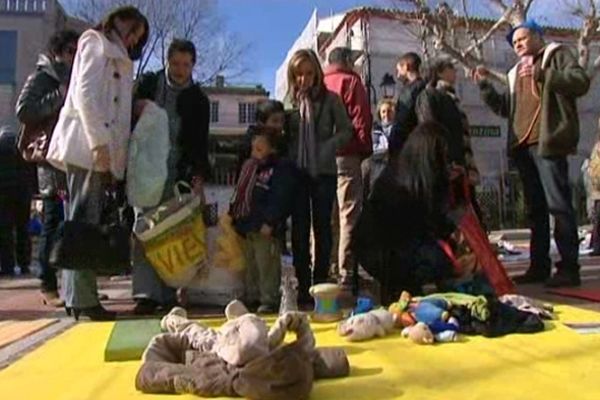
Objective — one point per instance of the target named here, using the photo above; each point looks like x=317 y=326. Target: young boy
x=270 y=114
x=259 y=208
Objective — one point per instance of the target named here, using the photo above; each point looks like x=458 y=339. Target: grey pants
x=86 y=196
x=263 y=269
x=146 y=282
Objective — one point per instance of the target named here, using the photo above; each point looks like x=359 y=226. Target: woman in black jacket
x=407 y=212
x=439 y=102
x=39 y=103
x=436 y=104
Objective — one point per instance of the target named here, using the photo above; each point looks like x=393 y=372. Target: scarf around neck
x=447 y=88
x=241 y=200
x=307 y=151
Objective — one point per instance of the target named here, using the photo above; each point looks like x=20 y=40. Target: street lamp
x=388 y=85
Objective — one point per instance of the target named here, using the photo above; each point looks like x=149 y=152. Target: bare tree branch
x=195 y=20
x=442 y=24
x=590 y=25
x=500 y=4
x=515 y=14
x=476 y=45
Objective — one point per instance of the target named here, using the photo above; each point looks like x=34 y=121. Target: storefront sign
x=485 y=131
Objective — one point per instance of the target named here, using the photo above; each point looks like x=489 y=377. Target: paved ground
x=20 y=300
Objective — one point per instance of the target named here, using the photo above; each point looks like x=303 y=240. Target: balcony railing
x=23 y=6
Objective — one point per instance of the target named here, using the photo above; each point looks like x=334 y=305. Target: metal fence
x=500 y=194
x=503 y=203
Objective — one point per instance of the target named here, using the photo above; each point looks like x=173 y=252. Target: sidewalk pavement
x=20 y=300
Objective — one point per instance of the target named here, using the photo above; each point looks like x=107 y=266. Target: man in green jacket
x=543 y=127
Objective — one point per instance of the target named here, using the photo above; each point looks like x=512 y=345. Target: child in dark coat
x=259 y=208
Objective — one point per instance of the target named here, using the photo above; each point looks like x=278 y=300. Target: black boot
x=567 y=275
x=96 y=313
x=564 y=278
x=533 y=275
x=145 y=307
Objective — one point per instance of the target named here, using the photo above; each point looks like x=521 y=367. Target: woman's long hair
x=298 y=58
x=127 y=13
x=422 y=168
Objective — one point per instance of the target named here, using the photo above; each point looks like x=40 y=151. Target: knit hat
x=529 y=24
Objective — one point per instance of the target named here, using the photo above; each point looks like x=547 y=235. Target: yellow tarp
x=556 y=364
x=11 y=331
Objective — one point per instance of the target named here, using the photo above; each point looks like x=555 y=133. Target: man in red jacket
x=341 y=79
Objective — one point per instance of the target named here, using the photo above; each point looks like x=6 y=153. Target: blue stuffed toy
x=363 y=305
x=430 y=311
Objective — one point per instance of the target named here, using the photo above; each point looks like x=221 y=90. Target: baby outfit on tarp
x=243 y=358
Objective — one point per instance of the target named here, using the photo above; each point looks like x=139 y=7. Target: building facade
x=232 y=111
x=380 y=36
x=25 y=26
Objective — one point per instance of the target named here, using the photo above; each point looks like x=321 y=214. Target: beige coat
x=97 y=109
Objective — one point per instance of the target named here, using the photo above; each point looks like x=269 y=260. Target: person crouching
x=261 y=203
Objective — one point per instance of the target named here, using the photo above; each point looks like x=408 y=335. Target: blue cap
x=529 y=24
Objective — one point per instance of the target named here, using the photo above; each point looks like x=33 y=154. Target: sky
x=270 y=27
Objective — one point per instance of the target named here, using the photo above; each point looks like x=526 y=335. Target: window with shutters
x=247 y=113
x=8 y=60
x=214 y=111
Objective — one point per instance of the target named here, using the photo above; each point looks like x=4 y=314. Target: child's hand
x=266 y=230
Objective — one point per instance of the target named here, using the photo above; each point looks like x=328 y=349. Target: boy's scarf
x=307 y=152
x=242 y=196
x=447 y=88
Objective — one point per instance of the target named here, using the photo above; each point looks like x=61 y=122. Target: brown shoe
x=52 y=299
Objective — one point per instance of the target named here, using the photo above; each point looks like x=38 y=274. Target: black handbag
x=104 y=248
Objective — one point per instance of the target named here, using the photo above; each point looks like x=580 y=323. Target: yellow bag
x=230 y=246
x=173 y=237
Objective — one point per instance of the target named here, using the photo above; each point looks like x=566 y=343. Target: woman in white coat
x=90 y=139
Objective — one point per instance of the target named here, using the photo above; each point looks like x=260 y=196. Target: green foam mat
x=128 y=339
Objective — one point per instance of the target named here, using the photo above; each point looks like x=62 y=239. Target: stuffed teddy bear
x=375 y=323
x=419 y=333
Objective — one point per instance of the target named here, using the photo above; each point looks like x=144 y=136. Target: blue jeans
x=547 y=191
x=313 y=204
x=53 y=216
